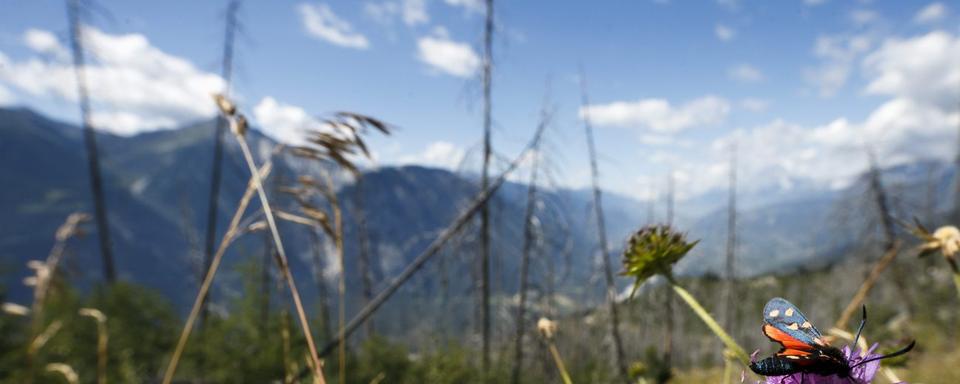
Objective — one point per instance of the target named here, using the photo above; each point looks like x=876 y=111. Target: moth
x=803 y=348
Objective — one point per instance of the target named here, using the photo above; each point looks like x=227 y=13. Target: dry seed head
x=67 y=371
x=94 y=313
x=71 y=227
x=547 y=328
x=257 y=226
x=15 y=309
x=238 y=125
x=226 y=106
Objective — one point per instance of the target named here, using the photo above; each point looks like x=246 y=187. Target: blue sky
x=802 y=86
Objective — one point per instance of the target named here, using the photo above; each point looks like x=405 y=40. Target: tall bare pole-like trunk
x=611 y=287
x=930 y=195
x=466 y=216
x=883 y=207
x=668 y=298
x=955 y=215
x=730 y=266
x=484 y=181
x=323 y=292
x=90 y=141
x=217 y=165
x=265 y=282
x=528 y=242
x=366 y=268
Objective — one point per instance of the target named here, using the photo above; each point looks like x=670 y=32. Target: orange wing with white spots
x=786 y=325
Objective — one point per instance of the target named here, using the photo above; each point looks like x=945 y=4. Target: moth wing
x=787 y=318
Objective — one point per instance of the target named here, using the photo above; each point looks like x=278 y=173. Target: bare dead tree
x=484 y=283
x=366 y=268
x=217 y=164
x=730 y=265
x=611 y=288
x=956 y=180
x=668 y=297
x=883 y=206
x=90 y=141
x=265 y=282
x=322 y=291
x=529 y=240
x=930 y=194
x=448 y=233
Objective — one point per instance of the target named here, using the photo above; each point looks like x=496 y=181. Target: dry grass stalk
x=238 y=125
x=232 y=231
x=47 y=269
x=102 y=338
x=340 y=142
x=548 y=330
x=444 y=236
x=65 y=370
x=42 y=339
x=867 y=285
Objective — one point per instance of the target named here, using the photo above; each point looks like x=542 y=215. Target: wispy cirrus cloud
x=745 y=73
x=411 y=12
x=321 y=23
x=724 y=33
x=658 y=115
x=931 y=13
x=447 y=56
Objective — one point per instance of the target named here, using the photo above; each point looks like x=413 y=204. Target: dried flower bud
x=226 y=106
x=547 y=328
x=15 y=309
x=947 y=239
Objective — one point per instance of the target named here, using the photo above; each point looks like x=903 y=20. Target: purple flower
x=861 y=375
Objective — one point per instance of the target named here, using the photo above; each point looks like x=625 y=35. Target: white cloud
x=924 y=68
x=441 y=154
x=839 y=54
x=6 y=97
x=729 y=4
x=918 y=121
x=320 y=22
x=931 y=13
x=46 y=43
x=471 y=6
x=864 y=16
x=754 y=105
x=813 y=3
x=745 y=73
x=658 y=115
x=447 y=56
x=415 y=12
x=283 y=122
x=411 y=12
x=134 y=86
x=724 y=33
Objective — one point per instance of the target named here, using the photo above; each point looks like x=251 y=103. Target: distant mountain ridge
x=157 y=185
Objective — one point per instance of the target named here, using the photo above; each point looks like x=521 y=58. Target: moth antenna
x=863 y=321
x=887 y=356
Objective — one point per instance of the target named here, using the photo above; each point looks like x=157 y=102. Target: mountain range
x=157 y=184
